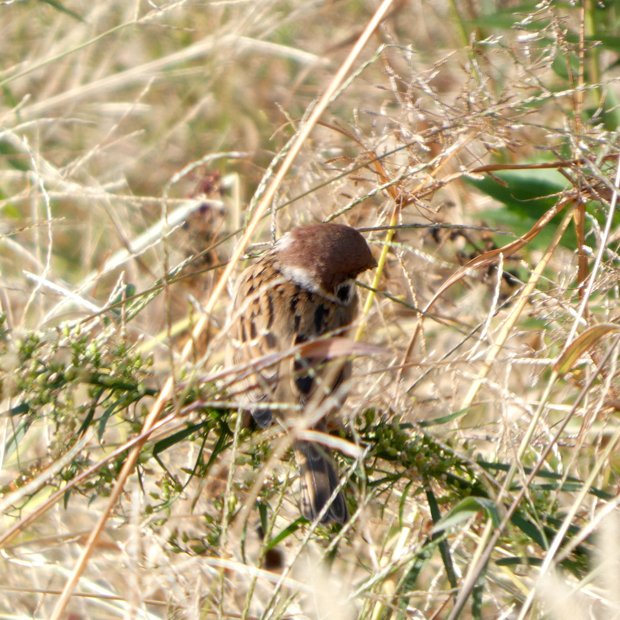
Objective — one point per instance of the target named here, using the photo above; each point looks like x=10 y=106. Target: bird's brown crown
x=323 y=256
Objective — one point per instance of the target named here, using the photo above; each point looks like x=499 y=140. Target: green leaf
x=220 y=445
x=63 y=9
x=606 y=41
x=529 y=192
x=105 y=416
x=549 y=475
x=17 y=160
x=443 y=419
x=88 y=418
x=9 y=98
x=420 y=559
x=263 y=515
x=20 y=432
x=19 y=409
x=175 y=438
x=465 y=509
x=285 y=533
x=505 y=20
x=566 y=66
x=477 y=595
x=516 y=561
x=530 y=529
x=126 y=295
x=403 y=502
x=526 y=196
x=444 y=549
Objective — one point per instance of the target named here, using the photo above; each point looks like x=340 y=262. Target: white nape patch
x=284 y=242
x=303 y=278
x=300 y=276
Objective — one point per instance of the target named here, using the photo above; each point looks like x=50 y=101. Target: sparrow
x=301 y=289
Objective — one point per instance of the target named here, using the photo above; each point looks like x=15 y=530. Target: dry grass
x=480 y=447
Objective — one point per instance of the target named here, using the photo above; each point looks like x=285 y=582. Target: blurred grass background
x=136 y=137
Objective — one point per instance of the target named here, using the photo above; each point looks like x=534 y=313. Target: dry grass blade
x=476 y=443
x=550 y=558
x=330 y=348
x=487 y=258
x=21 y=524
x=261 y=208
x=483 y=260
x=491 y=534
x=485 y=544
x=585 y=341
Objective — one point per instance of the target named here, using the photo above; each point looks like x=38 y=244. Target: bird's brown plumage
x=300 y=290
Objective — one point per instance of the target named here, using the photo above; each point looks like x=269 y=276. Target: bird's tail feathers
x=319 y=480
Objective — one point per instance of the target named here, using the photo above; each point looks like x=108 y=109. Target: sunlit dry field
x=148 y=152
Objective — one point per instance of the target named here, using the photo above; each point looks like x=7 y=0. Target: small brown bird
x=303 y=288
